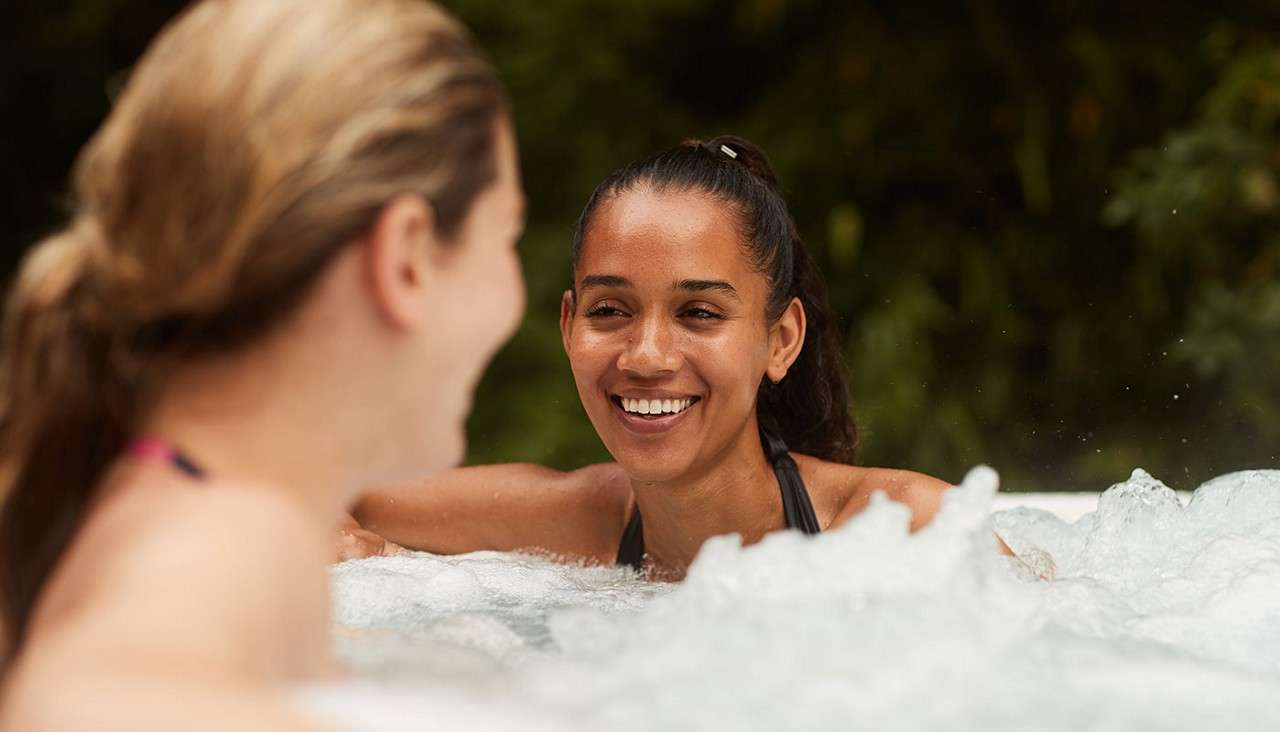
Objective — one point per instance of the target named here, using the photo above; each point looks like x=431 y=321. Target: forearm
x=454 y=513
x=501 y=508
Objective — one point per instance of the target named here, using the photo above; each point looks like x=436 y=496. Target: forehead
x=674 y=234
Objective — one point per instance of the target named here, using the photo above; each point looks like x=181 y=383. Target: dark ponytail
x=809 y=409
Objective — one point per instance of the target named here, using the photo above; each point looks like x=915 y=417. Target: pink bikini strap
x=158 y=450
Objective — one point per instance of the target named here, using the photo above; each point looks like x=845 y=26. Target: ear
x=567 y=305
x=786 y=339
x=399 y=265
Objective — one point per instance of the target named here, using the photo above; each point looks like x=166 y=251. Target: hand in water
x=356 y=542
x=1030 y=561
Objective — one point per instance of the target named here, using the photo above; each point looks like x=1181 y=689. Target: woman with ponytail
x=299 y=213
x=705 y=354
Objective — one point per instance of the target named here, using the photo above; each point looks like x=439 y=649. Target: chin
x=436 y=451
x=453 y=449
x=650 y=466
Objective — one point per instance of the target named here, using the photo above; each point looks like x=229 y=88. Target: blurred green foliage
x=1050 y=229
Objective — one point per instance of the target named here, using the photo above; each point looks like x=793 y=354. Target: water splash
x=1160 y=617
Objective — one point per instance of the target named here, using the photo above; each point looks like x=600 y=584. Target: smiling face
x=667 y=333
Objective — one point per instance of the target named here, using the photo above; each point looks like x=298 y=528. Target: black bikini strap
x=796 y=505
x=188 y=466
x=795 y=498
x=631 y=548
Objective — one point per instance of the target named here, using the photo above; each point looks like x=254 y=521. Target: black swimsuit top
x=795 y=503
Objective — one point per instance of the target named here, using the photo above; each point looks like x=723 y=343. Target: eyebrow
x=709 y=286
x=595 y=280
x=591 y=281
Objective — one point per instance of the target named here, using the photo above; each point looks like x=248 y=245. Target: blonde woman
x=300 y=214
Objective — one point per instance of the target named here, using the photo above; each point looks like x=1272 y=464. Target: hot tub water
x=1160 y=616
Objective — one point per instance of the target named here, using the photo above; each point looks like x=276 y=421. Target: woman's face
x=667 y=334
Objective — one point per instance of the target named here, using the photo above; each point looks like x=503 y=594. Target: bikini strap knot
x=774 y=447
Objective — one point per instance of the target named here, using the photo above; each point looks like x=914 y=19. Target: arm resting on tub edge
x=504 y=507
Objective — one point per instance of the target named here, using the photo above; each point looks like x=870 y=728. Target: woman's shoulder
x=842 y=491
x=215 y=521
x=146 y=561
x=604 y=490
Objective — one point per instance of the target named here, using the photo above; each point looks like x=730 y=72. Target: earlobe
x=567 y=304
x=786 y=339
x=399 y=262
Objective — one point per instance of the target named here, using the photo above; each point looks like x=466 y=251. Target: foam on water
x=1160 y=616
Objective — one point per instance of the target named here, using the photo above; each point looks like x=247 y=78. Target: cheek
x=514 y=300
x=488 y=303
x=732 y=363
x=589 y=360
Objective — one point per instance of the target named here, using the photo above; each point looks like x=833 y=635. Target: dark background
x=1051 y=229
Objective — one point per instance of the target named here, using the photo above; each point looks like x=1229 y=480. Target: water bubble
x=1162 y=616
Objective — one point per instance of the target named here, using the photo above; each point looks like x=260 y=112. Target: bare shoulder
x=598 y=500
x=605 y=486
x=845 y=490
x=226 y=528
x=228 y=581
x=80 y=700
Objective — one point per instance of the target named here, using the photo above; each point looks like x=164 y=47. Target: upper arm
x=923 y=494
x=919 y=492
x=504 y=507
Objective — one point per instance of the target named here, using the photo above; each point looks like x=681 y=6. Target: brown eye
x=604 y=310
x=703 y=314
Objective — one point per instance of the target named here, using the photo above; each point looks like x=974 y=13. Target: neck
x=259 y=421
x=737 y=494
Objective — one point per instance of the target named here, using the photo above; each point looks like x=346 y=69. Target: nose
x=650 y=351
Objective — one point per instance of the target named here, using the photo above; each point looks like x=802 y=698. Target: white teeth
x=655 y=406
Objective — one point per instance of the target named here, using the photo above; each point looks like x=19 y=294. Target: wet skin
x=665 y=306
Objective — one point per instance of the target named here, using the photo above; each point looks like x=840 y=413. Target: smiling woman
x=704 y=353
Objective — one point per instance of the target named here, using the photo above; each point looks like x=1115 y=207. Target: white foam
x=1161 y=616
